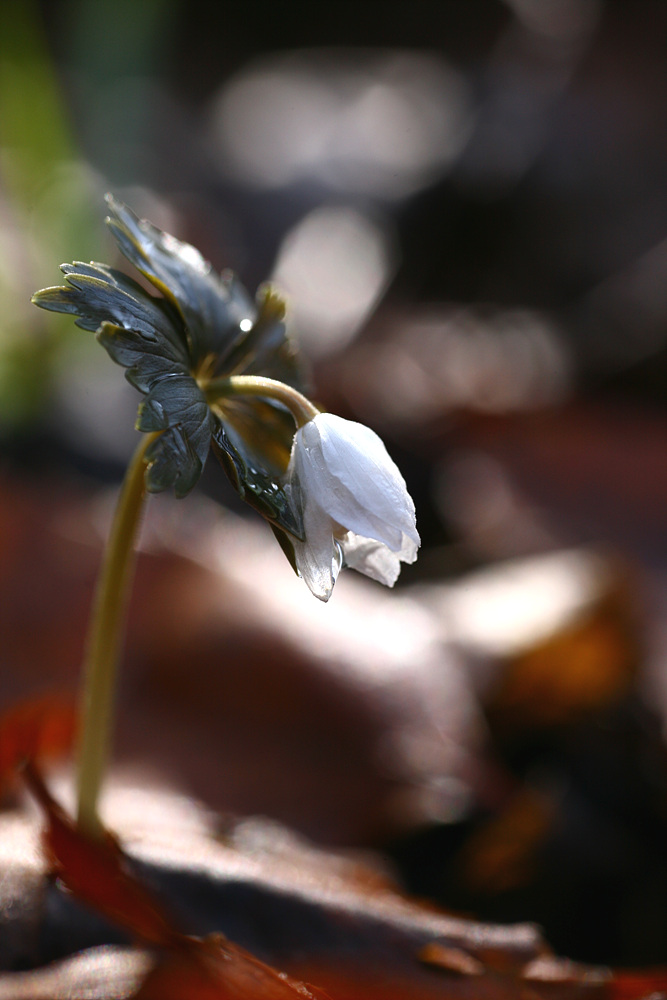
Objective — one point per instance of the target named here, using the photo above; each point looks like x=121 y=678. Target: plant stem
x=105 y=638
x=299 y=406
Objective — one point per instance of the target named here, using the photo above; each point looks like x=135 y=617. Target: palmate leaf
x=223 y=327
x=212 y=307
x=201 y=326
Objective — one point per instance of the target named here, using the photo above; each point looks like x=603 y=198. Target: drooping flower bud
x=356 y=508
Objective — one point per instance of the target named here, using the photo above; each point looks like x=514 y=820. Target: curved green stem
x=299 y=406
x=105 y=639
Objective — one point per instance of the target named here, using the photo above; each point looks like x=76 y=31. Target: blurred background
x=465 y=202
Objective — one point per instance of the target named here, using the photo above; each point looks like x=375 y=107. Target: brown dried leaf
x=39 y=729
x=217 y=969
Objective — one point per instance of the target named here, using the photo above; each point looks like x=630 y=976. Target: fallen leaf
x=96 y=872
x=217 y=969
x=358 y=939
x=40 y=729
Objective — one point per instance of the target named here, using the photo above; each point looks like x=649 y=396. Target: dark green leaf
x=98 y=294
x=255 y=485
x=212 y=306
x=172 y=463
x=265 y=350
x=262 y=430
x=286 y=544
x=175 y=404
x=146 y=363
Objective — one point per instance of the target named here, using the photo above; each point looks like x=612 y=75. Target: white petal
x=346 y=468
x=408 y=550
x=318 y=559
x=371 y=558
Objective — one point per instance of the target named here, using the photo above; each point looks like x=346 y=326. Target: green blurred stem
x=299 y=406
x=105 y=639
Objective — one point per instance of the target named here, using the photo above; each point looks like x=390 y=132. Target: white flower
x=356 y=508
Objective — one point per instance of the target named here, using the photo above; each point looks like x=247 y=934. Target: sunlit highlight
x=382 y=123
x=334 y=266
